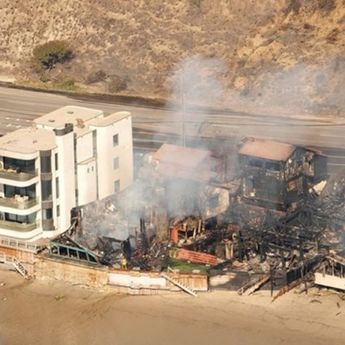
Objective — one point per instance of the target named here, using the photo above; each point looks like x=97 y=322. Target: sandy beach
x=33 y=312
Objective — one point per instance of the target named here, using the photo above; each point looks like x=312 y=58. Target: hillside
x=269 y=54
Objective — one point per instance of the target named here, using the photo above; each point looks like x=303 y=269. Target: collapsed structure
x=267 y=220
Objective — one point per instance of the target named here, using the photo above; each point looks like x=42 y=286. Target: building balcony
x=19 y=202
x=12 y=174
x=15 y=226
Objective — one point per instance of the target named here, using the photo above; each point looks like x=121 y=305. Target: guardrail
x=20 y=268
x=17 y=176
x=23 y=227
x=20 y=203
x=19 y=244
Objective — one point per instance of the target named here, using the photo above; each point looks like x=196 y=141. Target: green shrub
x=47 y=55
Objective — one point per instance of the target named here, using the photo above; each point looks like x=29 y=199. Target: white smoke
x=194 y=83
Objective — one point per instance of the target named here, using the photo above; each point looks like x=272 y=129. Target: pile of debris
x=172 y=214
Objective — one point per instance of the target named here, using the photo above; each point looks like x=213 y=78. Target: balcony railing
x=19 y=203
x=5 y=224
x=12 y=174
x=19 y=244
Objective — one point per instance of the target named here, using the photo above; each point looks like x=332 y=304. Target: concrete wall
x=86 y=170
x=197 y=282
x=27 y=258
x=106 y=153
x=153 y=280
x=21 y=255
x=73 y=273
x=87 y=182
x=123 y=281
x=66 y=175
x=136 y=281
x=84 y=147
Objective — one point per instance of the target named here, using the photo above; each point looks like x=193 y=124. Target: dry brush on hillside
x=281 y=53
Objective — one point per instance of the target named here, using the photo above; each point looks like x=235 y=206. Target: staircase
x=179 y=284
x=19 y=267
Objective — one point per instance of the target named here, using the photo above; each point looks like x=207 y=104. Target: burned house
x=190 y=178
x=178 y=162
x=278 y=175
x=180 y=209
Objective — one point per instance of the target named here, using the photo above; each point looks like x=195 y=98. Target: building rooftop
x=267 y=149
x=69 y=114
x=28 y=140
x=32 y=139
x=108 y=120
x=183 y=162
x=179 y=155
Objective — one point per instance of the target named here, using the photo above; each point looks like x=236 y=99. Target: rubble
x=332 y=273
x=276 y=221
x=196 y=257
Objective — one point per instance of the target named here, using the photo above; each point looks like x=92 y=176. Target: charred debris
x=264 y=211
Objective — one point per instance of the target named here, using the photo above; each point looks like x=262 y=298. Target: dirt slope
x=284 y=53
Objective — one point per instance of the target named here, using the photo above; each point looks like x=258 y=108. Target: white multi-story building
x=68 y=158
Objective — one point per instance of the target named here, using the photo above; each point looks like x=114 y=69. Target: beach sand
x=34 y=312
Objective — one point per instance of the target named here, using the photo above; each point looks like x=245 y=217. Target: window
x=255 y=163
x=30 y=219
x=46 y=164
x=19 y=165
x=115 y=140
x=46 y=190
x=116 y=163
x=56 y=161
x=47 y=213
x=11 y=191
x=58 y=210
x=117 y=186
x=94 y=143
x=57 y=187
x=275 y=166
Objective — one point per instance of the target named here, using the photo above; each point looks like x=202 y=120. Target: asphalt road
x=19 y=107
